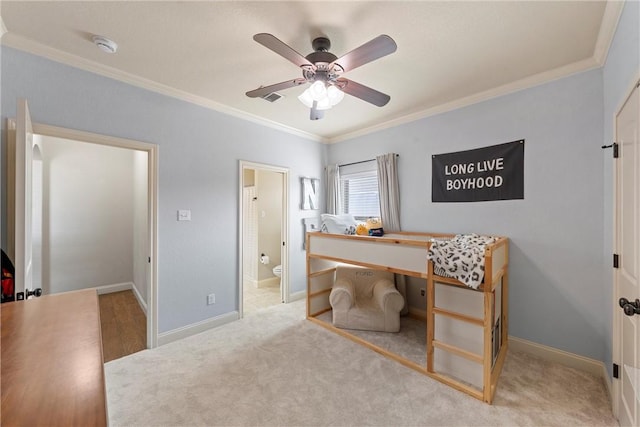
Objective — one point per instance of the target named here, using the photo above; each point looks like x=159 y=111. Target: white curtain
x=333 y=189
x=389 y=193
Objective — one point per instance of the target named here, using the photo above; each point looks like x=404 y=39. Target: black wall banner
x=490 y=173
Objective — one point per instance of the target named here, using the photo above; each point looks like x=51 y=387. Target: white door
x=23 y=199
x=627 y=276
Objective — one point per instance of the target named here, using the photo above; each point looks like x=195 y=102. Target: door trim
x=152 y=194
x=285 y=290
x=616 y=313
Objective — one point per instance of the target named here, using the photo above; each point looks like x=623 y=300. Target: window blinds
x=359 y=190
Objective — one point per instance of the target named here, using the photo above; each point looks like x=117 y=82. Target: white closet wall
x=88 y=215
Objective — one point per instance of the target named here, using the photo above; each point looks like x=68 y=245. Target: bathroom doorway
x=263 y=237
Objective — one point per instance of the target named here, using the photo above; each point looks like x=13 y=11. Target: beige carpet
x=410 y=342
x=277 y=369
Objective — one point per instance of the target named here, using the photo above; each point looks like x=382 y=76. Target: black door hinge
x=149 y=260
x=616 y=373
x=616 y=261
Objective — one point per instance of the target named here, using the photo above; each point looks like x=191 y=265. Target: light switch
x=184 y=215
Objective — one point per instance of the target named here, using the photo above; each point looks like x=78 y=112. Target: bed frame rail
x=471 y=365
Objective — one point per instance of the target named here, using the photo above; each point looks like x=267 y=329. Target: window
x=359 y=190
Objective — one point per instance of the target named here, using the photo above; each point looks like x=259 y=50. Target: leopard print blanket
x=461 y=258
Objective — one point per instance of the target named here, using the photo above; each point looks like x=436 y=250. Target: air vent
x=272 y=97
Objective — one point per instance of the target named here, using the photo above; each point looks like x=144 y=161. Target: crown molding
x=526 y=83
x=21 y=43
x=610 y=18
x=3 y=28
x=608 y=25
x=612 y=13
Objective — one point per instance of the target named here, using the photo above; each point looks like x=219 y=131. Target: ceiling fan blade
x=363 y=92
x=316 y=114
x=271 y=42
x=377 y=48
x=266 y=90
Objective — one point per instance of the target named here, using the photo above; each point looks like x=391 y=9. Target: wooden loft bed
x=466 y=329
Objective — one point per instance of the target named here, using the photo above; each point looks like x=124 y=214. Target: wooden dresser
x=52 y=368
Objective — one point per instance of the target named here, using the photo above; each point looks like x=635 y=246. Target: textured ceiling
x=449 y=53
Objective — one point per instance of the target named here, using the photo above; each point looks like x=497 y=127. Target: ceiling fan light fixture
x=306 y=99
x=324 y=97
x=323 y=104
x=335 y=95
x=323 y=69
x=318 y=91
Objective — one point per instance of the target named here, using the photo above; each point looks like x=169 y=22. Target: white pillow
x=338 y=224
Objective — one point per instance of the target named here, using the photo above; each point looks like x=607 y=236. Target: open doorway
x=65 y=225
x=89 y=230
x=263 y=236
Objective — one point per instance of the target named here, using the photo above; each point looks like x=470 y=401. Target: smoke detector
x=105 y=44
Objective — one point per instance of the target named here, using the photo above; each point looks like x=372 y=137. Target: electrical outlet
x=211 y=299
x=423 y=292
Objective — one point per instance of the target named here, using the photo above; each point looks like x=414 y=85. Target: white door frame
x=617 y=313
x=20 y=153
x=152 y=220
x=284 y=288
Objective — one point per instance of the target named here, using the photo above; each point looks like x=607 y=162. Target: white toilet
x=277 y=271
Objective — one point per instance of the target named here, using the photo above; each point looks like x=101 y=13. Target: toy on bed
x=362 y=230
x=374 y=227
x=347 y=224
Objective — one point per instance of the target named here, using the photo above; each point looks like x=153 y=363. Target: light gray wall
x=560 y=234
x=88 y=201
x=555 y=233
x=200 y=150
x=621 y=70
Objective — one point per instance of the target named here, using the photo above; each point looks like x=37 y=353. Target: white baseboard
x=297 y=296
x=196 y=328
x=562 y=357
x=551 y=354
x=607 y=382
x=116 y=287
x=119 y=287
x=247 y=281
x=141 y=302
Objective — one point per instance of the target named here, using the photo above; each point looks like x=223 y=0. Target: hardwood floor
x=123 y=323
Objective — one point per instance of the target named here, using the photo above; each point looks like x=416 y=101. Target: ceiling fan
x=323 y=70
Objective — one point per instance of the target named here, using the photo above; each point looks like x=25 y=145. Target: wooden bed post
x=489 y=314
x=504 y=320
x=431 y=294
